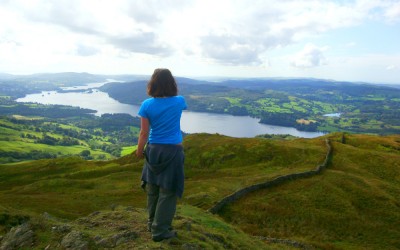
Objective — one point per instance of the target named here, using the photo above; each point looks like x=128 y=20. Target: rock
x=123 y=227
x=95 y=213
x=47 y=216
x=105 y=243
x=219 y=239
x=130 y=209
x=116 y=239
x=61 y=229
x=191 y=246
x=97 y=238
x=124 y=237
x=20 y=236
x=74 y=241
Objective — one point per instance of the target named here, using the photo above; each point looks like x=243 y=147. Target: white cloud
x=392 y=12
x=391 y=67
x=86 y=50
x=200 y=33
x=311 y=56
x=231 y=32
x=350 y=44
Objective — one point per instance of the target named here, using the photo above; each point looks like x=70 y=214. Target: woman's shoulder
x=148 y=100
x=182 y=102
x=180 y=98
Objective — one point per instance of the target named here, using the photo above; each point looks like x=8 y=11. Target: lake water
x=191 y=122
x=333 y=115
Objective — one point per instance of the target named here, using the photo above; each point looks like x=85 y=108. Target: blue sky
x=339 y=40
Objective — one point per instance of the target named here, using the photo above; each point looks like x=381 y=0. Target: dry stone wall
x=279 y=180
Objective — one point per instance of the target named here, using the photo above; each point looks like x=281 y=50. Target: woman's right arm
x=143 y=136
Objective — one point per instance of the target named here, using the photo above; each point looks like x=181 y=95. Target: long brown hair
x=162 y=84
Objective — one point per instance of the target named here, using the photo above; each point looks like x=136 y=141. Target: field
x=38 y=137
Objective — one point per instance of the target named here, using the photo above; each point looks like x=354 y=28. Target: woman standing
x=163 y=169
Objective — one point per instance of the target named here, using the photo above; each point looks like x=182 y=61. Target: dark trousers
x=161 y=205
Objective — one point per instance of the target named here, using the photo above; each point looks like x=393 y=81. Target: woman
x=163 y=169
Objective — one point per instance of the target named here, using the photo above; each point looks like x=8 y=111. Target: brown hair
x=162 y=84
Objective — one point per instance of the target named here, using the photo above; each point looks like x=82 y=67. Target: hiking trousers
x=161 y=205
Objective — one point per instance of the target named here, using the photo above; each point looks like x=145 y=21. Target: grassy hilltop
x=351 y=205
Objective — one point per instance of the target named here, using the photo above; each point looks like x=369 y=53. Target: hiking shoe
x=149 y=228
x=165 y=236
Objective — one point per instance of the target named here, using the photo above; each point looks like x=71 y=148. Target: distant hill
x=67 y=78
x=306 y=104
x=300 y=103
x=352 y=204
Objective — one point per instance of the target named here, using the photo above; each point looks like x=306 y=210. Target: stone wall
x=278 y=180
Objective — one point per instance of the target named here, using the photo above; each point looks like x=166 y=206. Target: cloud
x=391 y=67
x=393 y=14
x=102 y=22
x=311 y=56
x=228 y=32
x=350 y=44
x=189 y=33
x=229 y=50
x=85 y=50
x=153 y=12
x=144 y=42
x=246 y=32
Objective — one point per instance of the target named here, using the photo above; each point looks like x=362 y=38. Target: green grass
x=22 y=138
x=218 y=165
x=20 y=146
x=351 y=205
x=233 y=100
x=128 y=150
x=196 y=230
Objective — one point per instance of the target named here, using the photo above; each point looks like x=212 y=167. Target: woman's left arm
x=143 y=136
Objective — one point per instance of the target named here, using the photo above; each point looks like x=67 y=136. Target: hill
x=352 y=204
x=37 y=137
x=306 y=104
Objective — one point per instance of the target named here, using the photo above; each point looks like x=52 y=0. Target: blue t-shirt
x=164 y=114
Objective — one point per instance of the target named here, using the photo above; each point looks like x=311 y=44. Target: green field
x=34 y=137
x=128 y=150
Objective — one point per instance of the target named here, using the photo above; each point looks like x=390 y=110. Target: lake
x=191 y=122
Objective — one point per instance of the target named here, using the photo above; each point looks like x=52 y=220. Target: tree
x=85 y=153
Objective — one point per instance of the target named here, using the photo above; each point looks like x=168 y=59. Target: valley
x=34 y=131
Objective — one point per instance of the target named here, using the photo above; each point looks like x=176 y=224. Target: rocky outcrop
x=74 y=241
x=287 y=242
x=21 y=236
x=279 y=180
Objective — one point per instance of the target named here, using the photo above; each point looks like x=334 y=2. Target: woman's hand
x=143 y=136
x=139 y=154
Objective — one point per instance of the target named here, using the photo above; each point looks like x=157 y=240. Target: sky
x=354 y=40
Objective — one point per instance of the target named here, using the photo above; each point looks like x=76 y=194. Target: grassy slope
x=343 y=207
x=353 y=204
x=218 y=165
x=11 y=141
x=196 y=230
